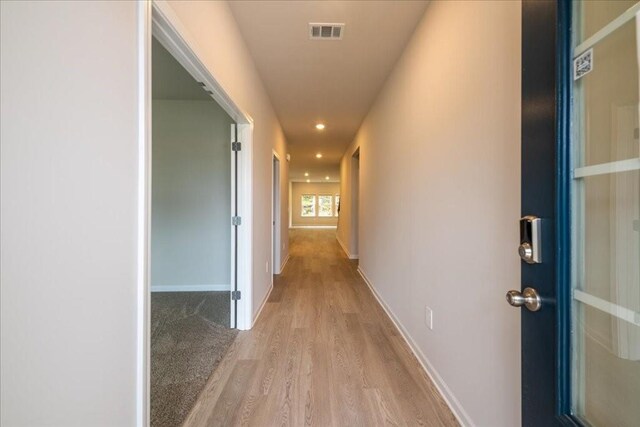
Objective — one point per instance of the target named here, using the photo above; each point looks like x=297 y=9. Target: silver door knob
x=528 y=297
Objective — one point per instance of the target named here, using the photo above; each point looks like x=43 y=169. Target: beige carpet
x=189 y=337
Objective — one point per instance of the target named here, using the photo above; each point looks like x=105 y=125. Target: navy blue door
x=539 y=181
x=580 y=287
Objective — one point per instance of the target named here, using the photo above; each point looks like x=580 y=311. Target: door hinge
x=236 y=220
x=236 y=146
x=235 y=295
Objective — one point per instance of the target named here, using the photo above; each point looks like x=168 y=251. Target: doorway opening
x=355 y=202
x=192 y=262
x=177 y=253
x=275 y=216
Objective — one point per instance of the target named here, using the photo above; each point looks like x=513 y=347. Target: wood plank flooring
x=323 y=352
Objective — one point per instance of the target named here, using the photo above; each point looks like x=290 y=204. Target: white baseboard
x=262 y=304
x=344 y=248
x=314 y=226
x=284 y=263
x=191 y=288
x=451 y=401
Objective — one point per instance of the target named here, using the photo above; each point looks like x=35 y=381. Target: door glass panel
x=596 y=14
x=606 y=217
x=609 y=93
x=610 y=237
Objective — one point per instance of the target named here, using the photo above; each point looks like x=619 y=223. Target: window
x=308 y=205
x=336 y=205
x=325 y=206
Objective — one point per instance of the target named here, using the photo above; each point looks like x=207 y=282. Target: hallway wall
x=212 y=28
x=441 y=148
x=69 y=177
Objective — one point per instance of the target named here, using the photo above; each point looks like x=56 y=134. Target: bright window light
x=325 y=205
x=308 y=204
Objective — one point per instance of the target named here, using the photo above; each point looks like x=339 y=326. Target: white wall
x=191 y=200
x=68 y=213
x=212 y=26
x=440 y=200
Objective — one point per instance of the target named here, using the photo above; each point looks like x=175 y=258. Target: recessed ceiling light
x=319 y=156
x=308 y=180
x=320 y=126
x=306 y=174
x=326 y=177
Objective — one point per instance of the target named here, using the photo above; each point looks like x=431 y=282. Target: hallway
x=323 y=352
x=397 y=123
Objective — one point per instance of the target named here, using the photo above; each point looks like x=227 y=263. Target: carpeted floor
x=189 y=336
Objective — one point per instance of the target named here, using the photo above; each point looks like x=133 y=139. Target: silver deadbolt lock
x=530 y=239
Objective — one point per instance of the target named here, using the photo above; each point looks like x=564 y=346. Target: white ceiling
x=329 y=81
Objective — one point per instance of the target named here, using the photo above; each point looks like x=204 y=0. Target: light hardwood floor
x=323 y=352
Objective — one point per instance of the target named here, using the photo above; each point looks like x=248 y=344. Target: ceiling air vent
x=326 y=31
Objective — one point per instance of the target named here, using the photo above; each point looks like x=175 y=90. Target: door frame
x=156 y=18
x=168 y=30
x=546 y=185
x=355 y=203
x=276 y=214
x=564 y=95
